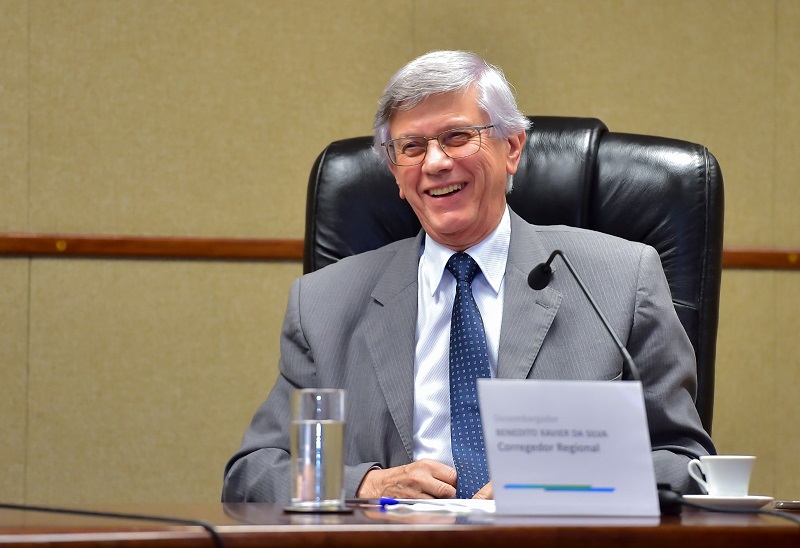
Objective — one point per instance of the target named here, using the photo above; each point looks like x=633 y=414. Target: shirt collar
x=490 y=254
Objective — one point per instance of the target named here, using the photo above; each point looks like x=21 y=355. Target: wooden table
x=251 y=525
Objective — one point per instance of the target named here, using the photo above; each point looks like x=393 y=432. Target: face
x=458 y=201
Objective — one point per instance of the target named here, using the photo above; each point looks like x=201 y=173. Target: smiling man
x=408 y=328
x=458 y=199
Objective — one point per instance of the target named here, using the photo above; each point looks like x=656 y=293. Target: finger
x=486 y=492
x=442 y=482
x=444 y=473
x=433 y=479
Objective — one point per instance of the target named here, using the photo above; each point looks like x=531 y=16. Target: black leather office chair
x=663 y=192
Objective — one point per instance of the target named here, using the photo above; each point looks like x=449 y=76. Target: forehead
x=438 y=113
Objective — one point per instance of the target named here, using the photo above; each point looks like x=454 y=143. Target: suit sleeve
x=260 y=469
x=666 y=360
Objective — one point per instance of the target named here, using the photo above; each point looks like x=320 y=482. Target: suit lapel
x=527 y=314
x=392 y=335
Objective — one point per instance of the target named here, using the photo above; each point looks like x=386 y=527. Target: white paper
x=568 y=448
x=443 y=506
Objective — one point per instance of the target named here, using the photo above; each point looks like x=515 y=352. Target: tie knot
x=463 y=267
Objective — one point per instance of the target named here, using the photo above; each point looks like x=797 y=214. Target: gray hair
x=447 y=72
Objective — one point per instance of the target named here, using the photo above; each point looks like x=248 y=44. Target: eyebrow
x=437 y=133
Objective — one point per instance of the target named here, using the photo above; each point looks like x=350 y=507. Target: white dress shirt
x=437 y=290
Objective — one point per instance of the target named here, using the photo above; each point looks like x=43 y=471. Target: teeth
x=445 y=190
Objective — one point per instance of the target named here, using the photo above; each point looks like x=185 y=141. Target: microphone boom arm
x=633 y=371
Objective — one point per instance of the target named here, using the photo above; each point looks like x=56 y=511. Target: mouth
x=445 y=190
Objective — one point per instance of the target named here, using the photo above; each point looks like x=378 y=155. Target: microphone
x=540 y=276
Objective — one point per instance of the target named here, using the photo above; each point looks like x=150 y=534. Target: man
x=383 y=324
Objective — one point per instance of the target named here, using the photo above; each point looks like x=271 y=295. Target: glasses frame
x=480 y=129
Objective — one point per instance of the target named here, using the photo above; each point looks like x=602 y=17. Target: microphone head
x=540 y=276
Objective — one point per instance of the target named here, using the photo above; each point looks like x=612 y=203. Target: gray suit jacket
x=352 y=325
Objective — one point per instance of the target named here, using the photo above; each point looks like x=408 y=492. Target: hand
x=486 y=492
x=424 y=479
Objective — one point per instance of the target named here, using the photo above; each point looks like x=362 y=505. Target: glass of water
x=317 y=450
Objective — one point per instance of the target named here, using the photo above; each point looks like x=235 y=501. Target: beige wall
x=134 y=380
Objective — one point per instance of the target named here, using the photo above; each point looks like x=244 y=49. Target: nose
x=435 y=158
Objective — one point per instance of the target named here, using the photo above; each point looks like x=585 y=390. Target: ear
x=393 y=169
x=516 y=143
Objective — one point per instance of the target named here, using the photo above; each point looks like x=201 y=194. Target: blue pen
x=383 y=501
x=388 y=501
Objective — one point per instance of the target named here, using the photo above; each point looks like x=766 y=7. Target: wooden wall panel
x=151 y=131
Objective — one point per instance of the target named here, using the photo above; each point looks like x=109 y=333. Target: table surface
x=245 y=525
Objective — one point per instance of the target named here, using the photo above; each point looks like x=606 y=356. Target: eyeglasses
x=459 y=142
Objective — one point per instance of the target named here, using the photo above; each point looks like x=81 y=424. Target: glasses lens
x=407 y=151
x=461 y=142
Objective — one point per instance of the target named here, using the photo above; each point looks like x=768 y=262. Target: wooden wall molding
x=761 y=259
x=150 y=247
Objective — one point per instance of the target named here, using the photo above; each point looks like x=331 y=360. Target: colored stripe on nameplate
x=557 y=487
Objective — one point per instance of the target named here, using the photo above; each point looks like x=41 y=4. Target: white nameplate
x=568 y=448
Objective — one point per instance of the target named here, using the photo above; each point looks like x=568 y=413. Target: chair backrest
x=663 y=192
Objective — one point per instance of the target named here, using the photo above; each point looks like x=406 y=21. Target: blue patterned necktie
x=469 y=361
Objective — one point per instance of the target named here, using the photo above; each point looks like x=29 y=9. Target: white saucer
x=749 y=502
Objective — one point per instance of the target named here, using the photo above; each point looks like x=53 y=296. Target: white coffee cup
x=723 y=475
